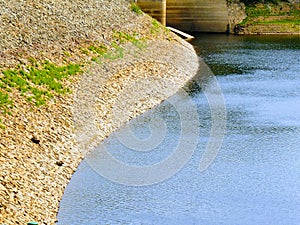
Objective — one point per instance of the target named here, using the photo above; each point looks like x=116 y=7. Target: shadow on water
x=255 y=178
x=212 y=47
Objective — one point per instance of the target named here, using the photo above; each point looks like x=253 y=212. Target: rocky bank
x=41 y=147
x=268 y=18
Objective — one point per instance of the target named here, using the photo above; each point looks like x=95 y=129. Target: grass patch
x=118 y=53
x=156 y=26
x=291 y=22
x=251 y=2
x=135 y=8
x=100 y=50
x=1 y=125
x=36 y=83
x=39 y=82
x=254 y=12
x=123 y=37
x=271 y=14
x=5 y=103
x=118 y=39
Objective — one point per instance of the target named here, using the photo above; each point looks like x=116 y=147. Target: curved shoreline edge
x=117 y=91
x=40 y=148
x=130 y=86
x=45 y=170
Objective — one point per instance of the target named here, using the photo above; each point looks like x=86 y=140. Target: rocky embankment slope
x=45 y=132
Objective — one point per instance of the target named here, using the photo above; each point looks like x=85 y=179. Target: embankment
x=123 y=55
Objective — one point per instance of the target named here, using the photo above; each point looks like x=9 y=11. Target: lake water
x=255 y=178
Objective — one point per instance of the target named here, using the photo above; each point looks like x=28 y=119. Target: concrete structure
x=189 y=15
x=155 y=8
x=198 y=15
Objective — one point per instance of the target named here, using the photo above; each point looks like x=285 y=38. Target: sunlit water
x=255 y=178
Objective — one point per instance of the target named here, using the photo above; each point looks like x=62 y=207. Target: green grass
x=292 y=22
x=35 y=83
x=135 y=8
x=100 y=50
x=251 y=2
x=123 y=37
x=118 y=39
x=118 y=53
x=258 y=15
x=254 y=12
x=5 y=102
x=1 y=125
x=5 y=106
x=156 y=26
x=38 y=83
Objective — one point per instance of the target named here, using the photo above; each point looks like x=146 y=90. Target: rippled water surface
x=255 y=178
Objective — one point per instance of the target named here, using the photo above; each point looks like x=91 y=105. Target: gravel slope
x=49 y=29
x=39 y=148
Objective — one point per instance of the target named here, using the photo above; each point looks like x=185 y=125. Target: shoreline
x=34 y=175
x=265 y=33
x=259 y=30
x=284 y=34
x=40 y=147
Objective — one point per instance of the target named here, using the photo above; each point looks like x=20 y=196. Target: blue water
x=255 y=178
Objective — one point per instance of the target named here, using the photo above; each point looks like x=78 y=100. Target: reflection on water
x=255 y=179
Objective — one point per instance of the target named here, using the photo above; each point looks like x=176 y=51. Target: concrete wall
x=155 y=8
x=198 y=15
x=189 y=15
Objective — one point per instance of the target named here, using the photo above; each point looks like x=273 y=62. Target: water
x=255 y=178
